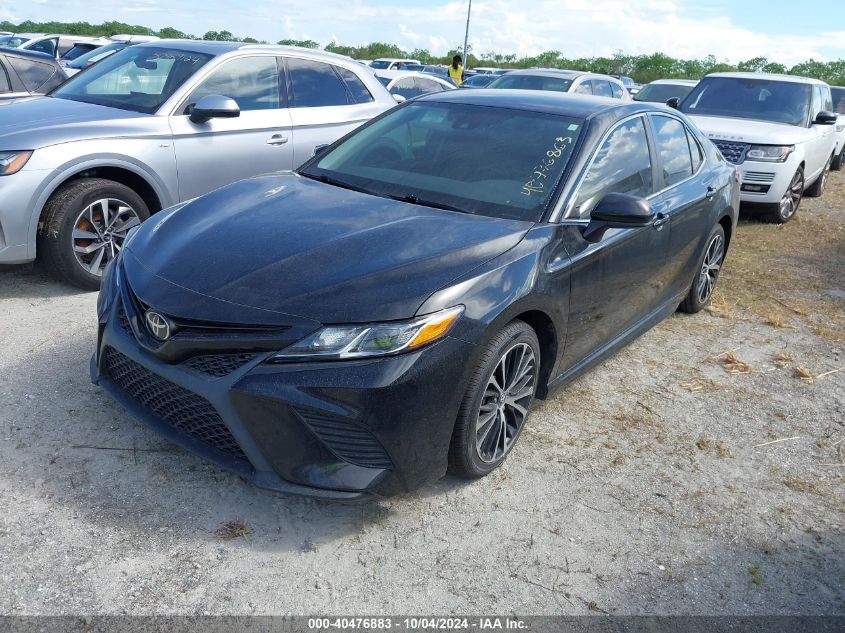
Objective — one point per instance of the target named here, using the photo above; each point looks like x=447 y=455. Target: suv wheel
x=496 y=402
x=788 y=205
x=84 y=226
x=817 y=188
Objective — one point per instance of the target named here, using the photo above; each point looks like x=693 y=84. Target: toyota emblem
x=158 y=325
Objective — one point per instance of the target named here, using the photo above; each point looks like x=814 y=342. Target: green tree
x=300 y=43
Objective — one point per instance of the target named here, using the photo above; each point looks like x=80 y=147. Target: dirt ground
x=700 y=471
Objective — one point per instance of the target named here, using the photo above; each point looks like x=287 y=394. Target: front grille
x=757 y=176
x=123 y=319
x=218 y=365
x=188 y=413
x=350 y=443
x=733 y=152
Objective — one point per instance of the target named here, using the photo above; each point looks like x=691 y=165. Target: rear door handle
x=277 y=139
x=711 y=191
x=660 y=220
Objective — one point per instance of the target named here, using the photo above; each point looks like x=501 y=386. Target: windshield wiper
x=337 y=183
x=414 y=199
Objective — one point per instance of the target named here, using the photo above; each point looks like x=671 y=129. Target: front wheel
x=84 y=226
x=707 y=273
x=496 y=403
x=783 y=211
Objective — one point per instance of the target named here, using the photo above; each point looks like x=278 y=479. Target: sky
x=732 y=30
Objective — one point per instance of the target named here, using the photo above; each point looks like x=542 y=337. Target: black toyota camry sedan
x=389 y=311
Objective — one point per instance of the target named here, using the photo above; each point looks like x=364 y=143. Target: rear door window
x=5 y=84
x=674 y=149
x=617 y=90
x=315 y=84
x=583 y=88
x=621 y=165
x=601 y=88
x=33 y=74
x=406 y=87
x=427 y=86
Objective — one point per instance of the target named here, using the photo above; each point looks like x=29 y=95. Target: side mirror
x=320 y=149
x=214 y=107
x=617 y=211
x=398 y=98
x=674 y=103
x=825 y=117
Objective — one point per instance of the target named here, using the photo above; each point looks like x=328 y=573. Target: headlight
x=13 y=162
x=377 y=339
x=769 y=153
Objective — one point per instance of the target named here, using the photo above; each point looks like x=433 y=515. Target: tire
x=76 y=211
x=836 y=164
x=510 y=351
x=707 y=273
x=817 y=188
x=784 y=210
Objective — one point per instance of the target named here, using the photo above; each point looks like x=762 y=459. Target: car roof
x=548 y=72
x=546 y=101
x=402 y=74
x=770 y=76
x=675 y=82
x=26 y=54
x=220 y=48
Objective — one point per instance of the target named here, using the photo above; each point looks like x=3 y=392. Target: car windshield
x=476 y=159
x=750 y=98
x=661 y=93
x=380 y=64
x=92 y=57
x=13 y=42
x=138 y=78
x=479 y=80
x=838 y=95
x=77 y=51
x=532 y=82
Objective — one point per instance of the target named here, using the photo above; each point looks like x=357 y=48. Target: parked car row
x=24 y=73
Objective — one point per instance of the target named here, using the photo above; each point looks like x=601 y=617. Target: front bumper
x=331 y=429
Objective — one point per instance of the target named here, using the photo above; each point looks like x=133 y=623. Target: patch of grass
x=231 y=530
x=619 y=460
x=804 y=374
x=782 y=359
x=802 y=485
x=733 y=364
x=755 y=574
x=699 y=385
x=716 y=446
x=776 y=320
x=720 y=307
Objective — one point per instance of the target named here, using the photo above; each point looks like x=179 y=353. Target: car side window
x=358 y=92
x=673 y=145
x=5 y=84
x=816 y=103
x=601 y=88
x=315 y=84
x=33 y=74
x=617 y=90
x=583 y=88
x=406 y=87
x=427 y=86
x=253 y=82
x=695 y=152
x=46 y=46
x=827 y=99
x=621 y=165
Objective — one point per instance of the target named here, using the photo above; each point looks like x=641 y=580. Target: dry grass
x=699 y=385
x=705 y=444
x=782 y=359
x=809 y=377
x=719 y=306
x=776 y=320
x=733 y=364
x=802 y=485
x=231 y=530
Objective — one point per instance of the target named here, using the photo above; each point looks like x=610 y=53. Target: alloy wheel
x=504 y=405
x=792 y=196
x=99 y=233
x=710 y=268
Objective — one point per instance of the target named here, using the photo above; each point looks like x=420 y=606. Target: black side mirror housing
x=617 y=211
x=825 y=117
x=674 y=103
x=320 y=149
x=214 y=107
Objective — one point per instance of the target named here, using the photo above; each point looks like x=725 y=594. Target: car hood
x=41 y=121
x=749 y=131
x=284 y=244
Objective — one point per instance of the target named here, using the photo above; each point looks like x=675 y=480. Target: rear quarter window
x=358 y=92
x=33 y=74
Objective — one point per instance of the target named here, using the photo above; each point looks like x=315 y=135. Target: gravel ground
x=657 y=483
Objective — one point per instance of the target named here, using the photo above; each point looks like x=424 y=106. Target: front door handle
x=277 y=139
x=711 y=191
x=660 y=220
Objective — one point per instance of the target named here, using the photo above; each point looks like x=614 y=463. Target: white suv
x=839 y=107
x=779 y=129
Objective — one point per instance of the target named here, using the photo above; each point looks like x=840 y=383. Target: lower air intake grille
x=733 y=152
x=758 y=176
x=218 y=365
x=183 y=410
x=350 y=443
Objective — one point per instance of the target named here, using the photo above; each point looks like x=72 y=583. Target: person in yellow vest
x=456 y=71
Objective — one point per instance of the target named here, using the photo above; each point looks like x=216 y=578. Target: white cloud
x=576 y=28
